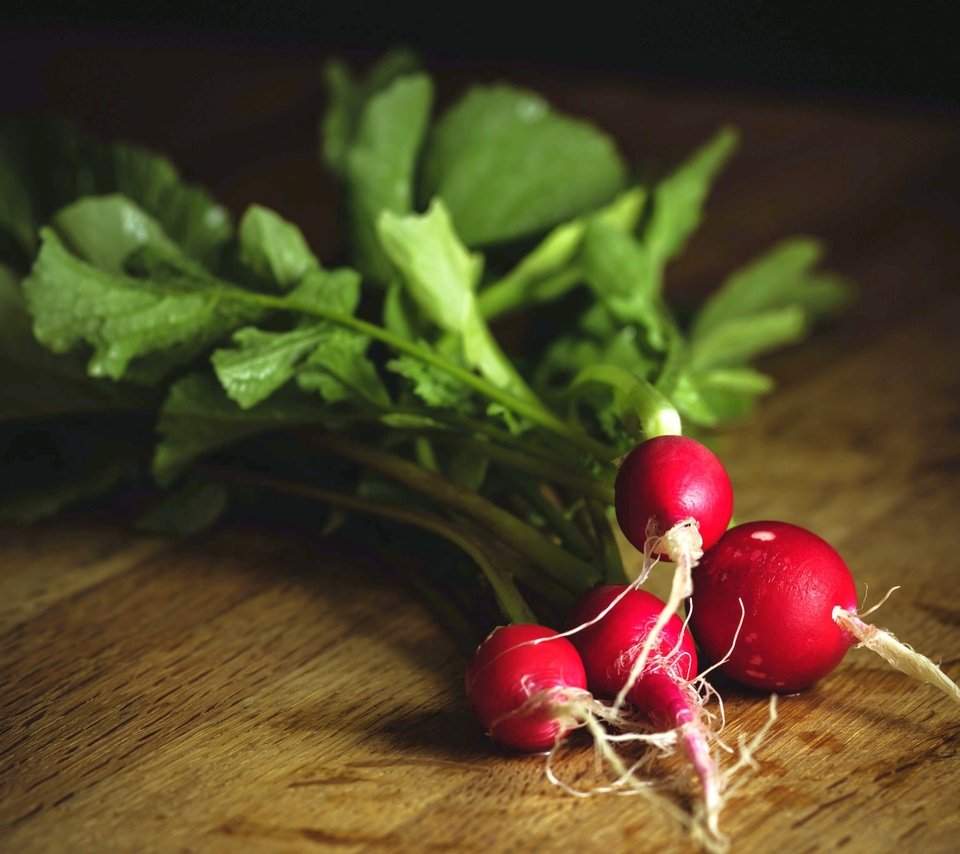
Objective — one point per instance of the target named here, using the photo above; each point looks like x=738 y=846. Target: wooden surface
x=255 y=689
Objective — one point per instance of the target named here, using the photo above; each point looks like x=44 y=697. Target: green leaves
x=622 y=272
x=768 y=304
x=260 y=358
x=554 y=266
x=173 y=316
x=678 y=199
x=106 y=230
x=380 y=164
x=18 y=215
x=507 y=166
x=740 y=339
x=120 y=317
x=46 y=165
x=197 y=417
x=782 y=277
x=274 y=249
x=441 y=278
x=322 y=358
x=262 y=362
x=46 y=469
x=348 y=98
x=441 y=275
x=36 y=383
x=187 y=214
x=373 y=131
x=186 y=509
x=436 y=388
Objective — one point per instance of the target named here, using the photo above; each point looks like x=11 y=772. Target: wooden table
x=256 y=689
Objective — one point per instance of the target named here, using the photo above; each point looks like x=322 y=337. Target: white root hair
x=895 y=652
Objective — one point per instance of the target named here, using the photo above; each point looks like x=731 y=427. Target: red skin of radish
x=669 y=479
x=609 y=648
x=503 y=675
x=790 y=580
x=663 y=692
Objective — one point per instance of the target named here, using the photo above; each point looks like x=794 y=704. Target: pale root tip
x=682 y=542
x=896 y=653
x=694 y=740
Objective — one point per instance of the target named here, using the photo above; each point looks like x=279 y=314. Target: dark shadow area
x=906 y=52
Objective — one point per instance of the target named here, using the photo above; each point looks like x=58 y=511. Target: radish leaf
x=678 y=199
x=507 y=166
x=274 y=249
x=381 y=162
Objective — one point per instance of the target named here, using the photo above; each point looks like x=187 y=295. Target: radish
x=527 y=687
x=673 y=499
x=627 y=656
x=520 y=688
x=799 y=606
x=667 y=481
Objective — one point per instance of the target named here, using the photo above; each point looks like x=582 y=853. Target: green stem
x=532 y=410
x=510 y=600
x=548 y=472
x=511 y=293
x=670 y=371
x=636 y=397
x=425 y=455
x=452 y=429
x=456 y=624
x=658 y=416
x=569 y=534
x=567 y=570
x=536 y=450
x=493 y=362
x=612 y=562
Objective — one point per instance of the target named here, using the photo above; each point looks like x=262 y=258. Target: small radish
x=799 y=612
x=520 y=687
x=673 y=500
x=527 y=687
x=666 y=481
x=625 y=659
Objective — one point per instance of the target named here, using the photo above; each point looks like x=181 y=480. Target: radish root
x=683 y=545
x=579 y=709
x=705 y=832
x=591 y=714
x=574 y=708
x=896 y=653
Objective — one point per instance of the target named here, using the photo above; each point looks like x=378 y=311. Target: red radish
x=520 y=685
x=527 y=687
x=673 y=499
x=667 y=480
x=627 y=655
x=799 y=611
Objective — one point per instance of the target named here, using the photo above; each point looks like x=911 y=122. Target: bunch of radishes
x=773 y=606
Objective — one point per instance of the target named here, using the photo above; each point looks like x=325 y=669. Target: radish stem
x=566 y=569
x=531 y=409
x=547 y=471
x=508 y=597
x=569 y=534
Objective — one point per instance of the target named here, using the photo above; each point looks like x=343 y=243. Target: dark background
x=895 y=51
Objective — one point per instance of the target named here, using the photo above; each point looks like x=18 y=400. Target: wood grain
x=255 y=689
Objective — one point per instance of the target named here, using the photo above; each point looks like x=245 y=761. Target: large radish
x=799 y=611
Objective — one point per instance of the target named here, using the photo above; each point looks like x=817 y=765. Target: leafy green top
x=126 y=294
